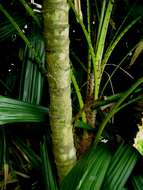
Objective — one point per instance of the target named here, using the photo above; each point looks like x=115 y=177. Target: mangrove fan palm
x=101 y=167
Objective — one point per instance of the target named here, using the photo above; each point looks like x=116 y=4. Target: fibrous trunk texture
x=56 y=34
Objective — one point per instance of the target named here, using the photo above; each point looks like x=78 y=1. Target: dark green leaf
x=48 y=178
x=12 y=111
x=89 y=171
x=121 y=167
x=31 y=79
x=137 y=182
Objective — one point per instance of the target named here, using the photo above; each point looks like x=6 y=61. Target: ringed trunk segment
x=56 y=34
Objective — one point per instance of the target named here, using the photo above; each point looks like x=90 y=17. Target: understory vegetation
x=71 y=95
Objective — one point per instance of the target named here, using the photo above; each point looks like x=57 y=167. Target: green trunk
x=56 y=34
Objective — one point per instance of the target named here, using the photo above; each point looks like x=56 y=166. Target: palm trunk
x=56 y=34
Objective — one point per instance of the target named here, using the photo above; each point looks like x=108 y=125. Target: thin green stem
x=101 y=103
x=88 y=18
x=113 y=44
x=87 y=36
x=77 y=5
x=101 y=22
x=97 y=10
x=116 y=68
x=80 y=100
x=89 y=32
x=116 y=107
x=96 y=59
x=129 y=102
x=100 y=47
x=30 y=12
x=110 y=82
x=24 y=38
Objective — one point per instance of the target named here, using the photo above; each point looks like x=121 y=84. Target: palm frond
x=32 y=80
x=13 y=111
x=7 y=29
x=88 y=164
x=102 y=168
x=23 y=37
x=121 y=166
x=137 y=182
x=48 y=176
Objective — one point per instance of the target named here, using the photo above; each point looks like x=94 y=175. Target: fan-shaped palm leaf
x=12 y=111
x=101 y=168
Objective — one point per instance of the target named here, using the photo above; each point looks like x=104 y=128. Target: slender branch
x=116 y=107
